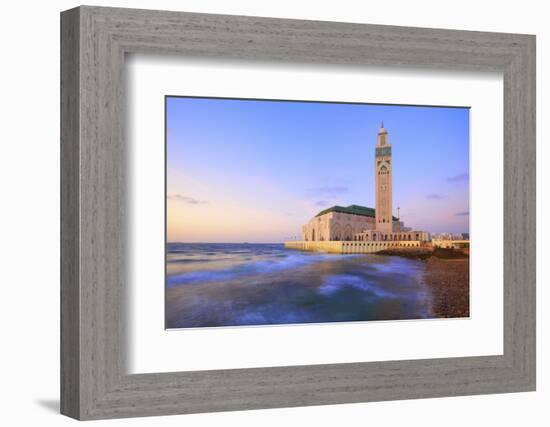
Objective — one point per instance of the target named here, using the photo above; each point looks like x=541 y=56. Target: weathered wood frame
x=94 y=41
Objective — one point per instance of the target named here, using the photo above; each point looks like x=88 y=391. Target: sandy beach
x=449 y=283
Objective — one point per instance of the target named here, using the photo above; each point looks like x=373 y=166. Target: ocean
x=219 y=284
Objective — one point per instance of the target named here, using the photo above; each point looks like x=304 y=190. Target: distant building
x=451 y=236
x=453 y=243
x=360 y=223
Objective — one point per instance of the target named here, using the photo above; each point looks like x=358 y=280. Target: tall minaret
x=383 y=181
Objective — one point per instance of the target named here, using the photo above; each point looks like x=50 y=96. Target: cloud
x=321 y=203
x=186 y=199
x=328 y=191
x=465 y=213
x=435 y=196
x=462 y=177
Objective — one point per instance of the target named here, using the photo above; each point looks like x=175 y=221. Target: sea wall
x=349 y=247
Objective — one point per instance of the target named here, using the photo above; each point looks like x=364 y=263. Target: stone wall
x=336 y=226
x=375 y=235
x=344 y=247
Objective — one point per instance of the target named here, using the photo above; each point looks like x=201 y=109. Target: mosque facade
x=360 y=223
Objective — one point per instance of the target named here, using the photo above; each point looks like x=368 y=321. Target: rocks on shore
x=447 y=275
x=414 y=253
x=425 y=252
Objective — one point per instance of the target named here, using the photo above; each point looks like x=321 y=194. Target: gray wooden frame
x=94 y=382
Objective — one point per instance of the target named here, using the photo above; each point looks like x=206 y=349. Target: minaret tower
x=383 y=182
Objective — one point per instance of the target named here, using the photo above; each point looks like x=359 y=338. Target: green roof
x=351 y=209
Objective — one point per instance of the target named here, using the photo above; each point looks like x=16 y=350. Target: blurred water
x=260 y=284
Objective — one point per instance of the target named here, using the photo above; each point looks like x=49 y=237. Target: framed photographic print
x=237 y=253
x=262 y=213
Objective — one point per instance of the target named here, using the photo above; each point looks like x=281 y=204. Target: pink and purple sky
x=256 y=171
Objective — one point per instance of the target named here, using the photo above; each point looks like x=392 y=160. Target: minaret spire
x=383 y=182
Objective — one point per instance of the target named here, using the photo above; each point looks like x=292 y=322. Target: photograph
x=295 y=212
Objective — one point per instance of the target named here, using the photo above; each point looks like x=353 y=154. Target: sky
x=256 y=171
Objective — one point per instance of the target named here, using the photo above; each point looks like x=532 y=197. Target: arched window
x=347 y=232
x=337 y=231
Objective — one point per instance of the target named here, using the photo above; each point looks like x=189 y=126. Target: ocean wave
x=267 y=315
x=395 y=265
x=199 y=277
x=243 y=268
x=192 y=260
x=338 y=282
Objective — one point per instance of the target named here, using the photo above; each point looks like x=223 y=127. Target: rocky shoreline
x=449 y=282
x=447 y=275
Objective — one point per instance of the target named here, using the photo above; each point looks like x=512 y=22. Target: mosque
x=360 y=223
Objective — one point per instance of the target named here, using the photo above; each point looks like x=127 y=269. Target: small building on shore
x=364 y=224
x=451 y=243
